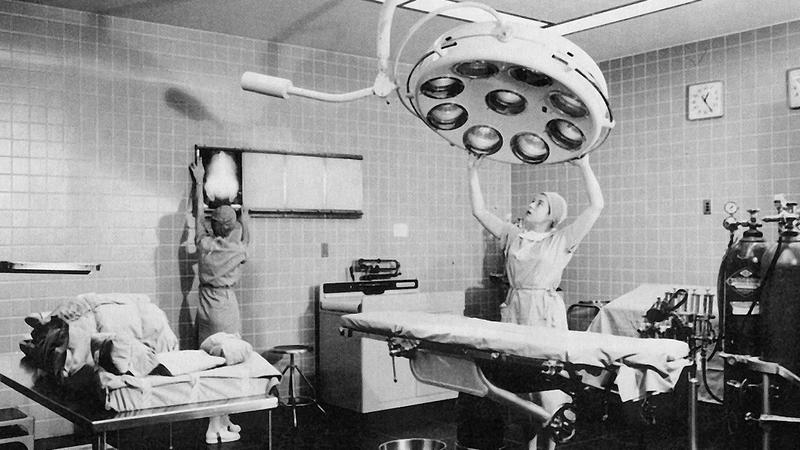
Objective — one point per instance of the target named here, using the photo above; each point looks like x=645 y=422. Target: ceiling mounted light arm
x=502 y=29
x=383 y=85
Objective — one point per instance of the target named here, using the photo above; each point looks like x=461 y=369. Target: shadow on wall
x=484 y=301
x=186 y=258
x=187 y=104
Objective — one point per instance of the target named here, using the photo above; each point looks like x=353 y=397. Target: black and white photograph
x=399 y=224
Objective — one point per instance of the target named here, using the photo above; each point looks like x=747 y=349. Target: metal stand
x=767 y=370
x=694 y=386
x=13 y=417
x=293 y=400
x=699 y=312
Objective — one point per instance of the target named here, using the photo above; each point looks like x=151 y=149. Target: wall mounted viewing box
x=288 y=184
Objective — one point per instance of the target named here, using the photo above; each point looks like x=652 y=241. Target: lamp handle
x=282 y=88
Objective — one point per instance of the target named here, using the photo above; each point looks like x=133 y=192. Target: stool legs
x=313 y=391
x=293 y=399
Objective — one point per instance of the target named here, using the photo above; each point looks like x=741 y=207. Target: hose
x=705 y=381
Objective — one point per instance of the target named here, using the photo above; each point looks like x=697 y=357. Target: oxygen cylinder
x=737 y=288
x=780 y=301
x=780 y=316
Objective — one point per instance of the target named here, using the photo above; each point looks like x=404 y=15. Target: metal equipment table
x=90 y=415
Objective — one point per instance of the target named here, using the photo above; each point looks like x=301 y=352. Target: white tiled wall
x=98 y=120
x=657 y=167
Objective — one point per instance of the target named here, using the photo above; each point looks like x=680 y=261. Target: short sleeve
x=571 y=236
x=201 y=233
x=510 y=231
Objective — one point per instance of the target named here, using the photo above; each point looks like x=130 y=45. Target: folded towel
x=187 y=361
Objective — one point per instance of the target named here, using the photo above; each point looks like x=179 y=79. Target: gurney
x=456 y=352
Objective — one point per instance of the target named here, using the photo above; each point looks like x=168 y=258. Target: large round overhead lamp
x=511 y=92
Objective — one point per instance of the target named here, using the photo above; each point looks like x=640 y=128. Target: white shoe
x=221 y=436
x=232 y=427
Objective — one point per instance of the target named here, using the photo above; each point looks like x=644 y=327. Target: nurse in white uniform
x=536 y=253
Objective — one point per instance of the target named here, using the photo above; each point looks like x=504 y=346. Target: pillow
x=230 y=346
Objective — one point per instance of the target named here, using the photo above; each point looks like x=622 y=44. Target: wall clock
x=793 y=88
x=704 y=100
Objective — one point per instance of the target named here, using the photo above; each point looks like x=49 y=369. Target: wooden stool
x=16 y=426
x=296 y=400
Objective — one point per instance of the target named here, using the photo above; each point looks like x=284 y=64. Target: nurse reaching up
x=221 y=250
x=536 y=253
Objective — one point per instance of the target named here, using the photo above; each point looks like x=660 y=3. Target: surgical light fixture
x=502 y=87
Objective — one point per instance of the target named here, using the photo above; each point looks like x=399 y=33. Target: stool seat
x=296 y=349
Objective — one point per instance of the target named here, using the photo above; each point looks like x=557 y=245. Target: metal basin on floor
x=413 y=444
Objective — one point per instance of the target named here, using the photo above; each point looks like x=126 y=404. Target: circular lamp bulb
x=447 y=116
x=482 y=140
x=565 y=134
x=442 y=87
x=568 y=103
x=476 y=69
x=505 y=102
x=529 y=148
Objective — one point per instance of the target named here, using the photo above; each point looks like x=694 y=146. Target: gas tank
x=780 y=302
x=737 y=290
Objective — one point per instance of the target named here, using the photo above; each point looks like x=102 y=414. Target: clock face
x=704 y=100
x=793 y=88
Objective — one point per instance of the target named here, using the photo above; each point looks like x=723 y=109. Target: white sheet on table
x=254 y=376
x=642 y=365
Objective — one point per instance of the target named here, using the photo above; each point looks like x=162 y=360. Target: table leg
x=269 y=429
x=99 y=441
x=170 y=436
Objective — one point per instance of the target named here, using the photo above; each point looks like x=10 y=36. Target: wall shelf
x=47 y=267
x=308 y=213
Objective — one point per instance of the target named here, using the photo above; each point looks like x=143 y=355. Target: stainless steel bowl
x=413 y=444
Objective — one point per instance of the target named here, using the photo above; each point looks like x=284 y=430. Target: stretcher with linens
x=461 y=353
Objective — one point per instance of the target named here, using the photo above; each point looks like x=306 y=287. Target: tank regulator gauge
x=730 y=223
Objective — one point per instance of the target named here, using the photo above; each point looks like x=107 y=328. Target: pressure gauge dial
x=731 y=208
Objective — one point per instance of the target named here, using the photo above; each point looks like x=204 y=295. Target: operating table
x=462 y=353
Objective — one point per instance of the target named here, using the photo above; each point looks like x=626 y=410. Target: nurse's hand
x=582 y=162
x=198 y=171
x=474 y=161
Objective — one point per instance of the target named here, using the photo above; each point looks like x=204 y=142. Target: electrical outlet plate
x=793 y=88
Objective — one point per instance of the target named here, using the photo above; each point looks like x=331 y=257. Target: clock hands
x=704 y=97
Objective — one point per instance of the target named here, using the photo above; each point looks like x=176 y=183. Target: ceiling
x=350 y=26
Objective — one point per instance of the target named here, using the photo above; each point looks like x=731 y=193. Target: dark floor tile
x=340 y=429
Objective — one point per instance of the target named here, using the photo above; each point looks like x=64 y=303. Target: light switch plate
x=793 y=88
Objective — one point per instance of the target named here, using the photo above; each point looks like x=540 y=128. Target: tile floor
x=343 y=429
